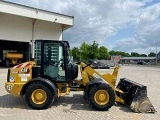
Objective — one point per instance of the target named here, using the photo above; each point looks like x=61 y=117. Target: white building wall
x=16 y=28
x=47 y=30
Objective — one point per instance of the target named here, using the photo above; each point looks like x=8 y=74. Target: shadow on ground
x=76 y=102
x=123 y=107
x=9 y=101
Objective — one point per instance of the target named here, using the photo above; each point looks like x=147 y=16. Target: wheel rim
x=101 y=97
x=39 y=96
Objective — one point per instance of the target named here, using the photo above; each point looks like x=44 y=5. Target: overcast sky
x=124 y=25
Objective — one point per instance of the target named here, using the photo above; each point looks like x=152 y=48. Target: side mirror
x=62 y=65
x=71 y=58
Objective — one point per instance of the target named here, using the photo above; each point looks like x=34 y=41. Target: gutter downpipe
x=33 y=45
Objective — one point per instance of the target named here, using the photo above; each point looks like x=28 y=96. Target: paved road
x=74 y=107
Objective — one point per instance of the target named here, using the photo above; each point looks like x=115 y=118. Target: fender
x=97 y=81
x=39 y=79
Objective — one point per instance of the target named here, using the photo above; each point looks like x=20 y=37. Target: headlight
x=11 y=79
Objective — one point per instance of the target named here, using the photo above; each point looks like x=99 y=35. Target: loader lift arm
x=89 y=75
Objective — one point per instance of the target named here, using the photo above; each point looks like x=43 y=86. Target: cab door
x=50 y=56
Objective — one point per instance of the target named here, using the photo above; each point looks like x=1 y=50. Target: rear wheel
x=39 y=96
x=102 y=97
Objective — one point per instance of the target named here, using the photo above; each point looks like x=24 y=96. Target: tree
x=127 y=55
x=112 y=52
x=103 y=53
x=76 y=53
x=135 y=54
x=84 y=51
x=151 y=54
x=143 y=55
x=123 y=54
x=93 y=50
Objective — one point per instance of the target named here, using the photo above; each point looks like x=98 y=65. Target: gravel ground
x=74 y=107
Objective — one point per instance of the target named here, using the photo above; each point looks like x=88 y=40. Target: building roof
x=138 y=58
x=35 y=13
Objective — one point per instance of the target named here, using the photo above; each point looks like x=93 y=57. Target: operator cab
x=55 y=61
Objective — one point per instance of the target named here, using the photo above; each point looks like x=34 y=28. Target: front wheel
x=38 y=96
x=102 y=97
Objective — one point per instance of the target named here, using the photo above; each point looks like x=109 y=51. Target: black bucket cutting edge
x=135 y=96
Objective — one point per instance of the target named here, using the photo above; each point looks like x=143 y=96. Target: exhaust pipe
x=135 y=96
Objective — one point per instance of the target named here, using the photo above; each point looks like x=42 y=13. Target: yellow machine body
x=19 y=75
x=22 y=73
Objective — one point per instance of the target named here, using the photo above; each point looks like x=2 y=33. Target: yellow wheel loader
x=13 y=58
x=53 y=74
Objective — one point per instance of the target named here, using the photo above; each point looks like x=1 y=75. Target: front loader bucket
x=135 y=96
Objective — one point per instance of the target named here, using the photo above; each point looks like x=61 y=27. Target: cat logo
x=24 y=70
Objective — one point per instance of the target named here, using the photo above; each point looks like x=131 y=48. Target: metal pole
x=33 y=49
x=156 y=53
x=33 y=45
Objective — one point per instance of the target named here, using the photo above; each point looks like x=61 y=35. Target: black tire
x=75 y=69
x=108 y=103
x=48 y=99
